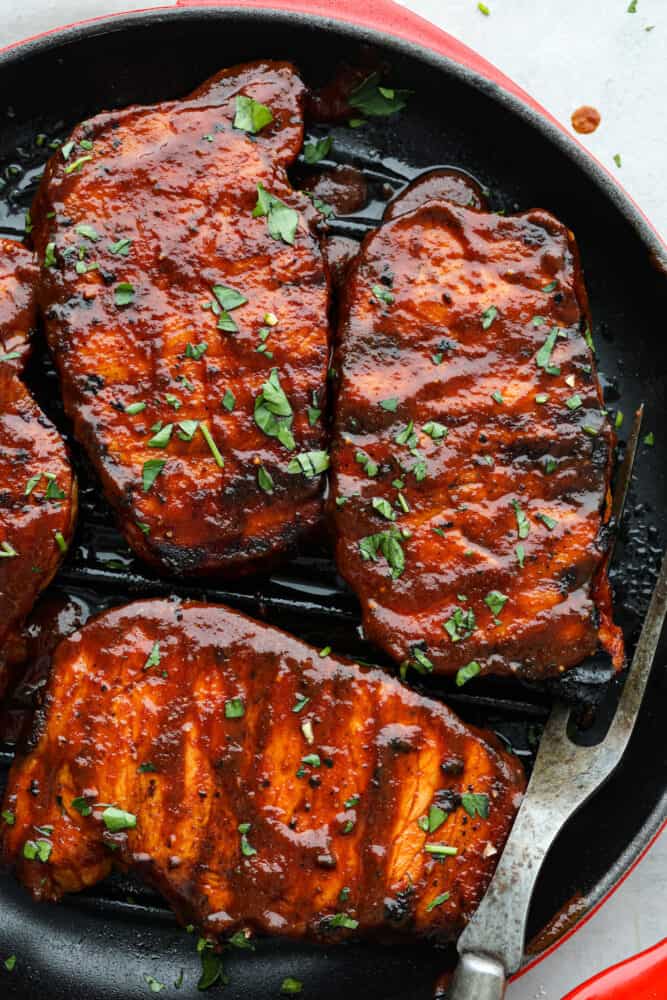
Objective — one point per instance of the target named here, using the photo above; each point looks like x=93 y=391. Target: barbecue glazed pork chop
x=254 y=782
x=186 y=298
x=471 y=454
x=37 y=487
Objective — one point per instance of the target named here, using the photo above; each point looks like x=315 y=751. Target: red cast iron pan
x=463 y=113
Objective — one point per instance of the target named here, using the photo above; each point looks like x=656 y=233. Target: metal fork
x=565 y=776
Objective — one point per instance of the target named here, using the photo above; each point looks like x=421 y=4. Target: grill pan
x=106 y=941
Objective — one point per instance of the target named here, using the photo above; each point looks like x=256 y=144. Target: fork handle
x=477 y=977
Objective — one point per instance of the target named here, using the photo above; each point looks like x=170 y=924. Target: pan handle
x=477 y=977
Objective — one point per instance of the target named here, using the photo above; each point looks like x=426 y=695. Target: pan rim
x=61 y=37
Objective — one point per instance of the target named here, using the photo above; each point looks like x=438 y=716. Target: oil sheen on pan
x=185 y=298
x=255 y=783
x=471 y=454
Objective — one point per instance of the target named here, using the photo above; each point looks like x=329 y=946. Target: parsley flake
x=313 y=152
x=376 y=101
x=281 y=219
x=387 y=544
x=488 y=317
x=151 y=470
x=476 y=804
x=123 y=294
x=273 y=412
x=116 y=819
x=251 y=116
x=265 y=480
x=309 y=463
x=464 y=674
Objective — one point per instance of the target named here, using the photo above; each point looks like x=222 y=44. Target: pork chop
x=255 y=782
x=185 y=299
x=472 y=453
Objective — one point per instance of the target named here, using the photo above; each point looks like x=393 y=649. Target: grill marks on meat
x=331 y=794
x=447 y=315
x=30 y=447
x=169 y=191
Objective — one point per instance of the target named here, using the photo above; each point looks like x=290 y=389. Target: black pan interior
x=105 y=942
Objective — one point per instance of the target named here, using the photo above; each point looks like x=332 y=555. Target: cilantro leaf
x=251 y=116
x=282 y=220
x=377 y=101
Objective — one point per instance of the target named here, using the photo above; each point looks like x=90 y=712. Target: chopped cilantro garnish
x=116 y=819
x=436 y=817
x=574 y=402
x=461 y=624
x=309 y=463
x=435 y=430
x=376 y=101
x=211 y=966
x=82 y=805
x=441 y=850
x=251 y=116
x=389 y=404
x=50 y=255
x=488 y=317
x=464 y=674
x=229 y=400
x=196 y=351
x=313 y=152
x=291 y=986
x=153 y=658
x=407 y=436
x=388 y=544
x=438 y=901
x=522 y=522
x=37 y=850
x=151 y=470
x=88 y=232
x=300 y=703
x=154 y=985
x=370 y=467
x=649 y=439
x=162 y=437
x=495 y=602
x=273 y=413
x=382 y=294
x=133 y=408
x=121 y=247
x=77 y=164
x=342 y=920
x=549 y=522
x=384 y=508
x=215 y=451
x=476 y=804
x=234 y=708
x=282 y=220
x=265 y=480
x=123 y=294
x=520 y=554
x=543 y=356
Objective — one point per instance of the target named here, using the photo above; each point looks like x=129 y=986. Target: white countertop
x=565 y=53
